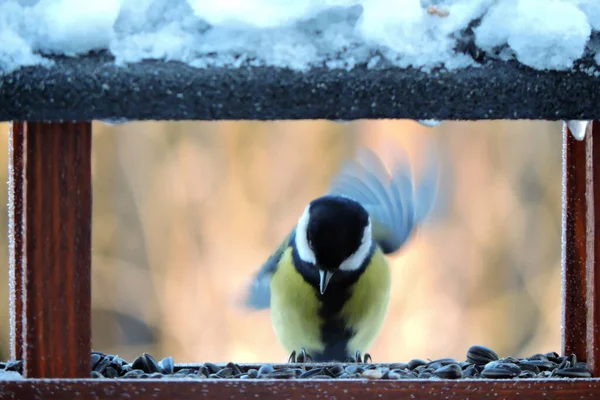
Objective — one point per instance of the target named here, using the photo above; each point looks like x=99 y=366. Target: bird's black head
x=334 y=233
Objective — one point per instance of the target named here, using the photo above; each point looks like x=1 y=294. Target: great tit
x=328 y=283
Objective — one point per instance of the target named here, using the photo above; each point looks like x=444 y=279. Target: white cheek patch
x=354 y=262
x=304 y=250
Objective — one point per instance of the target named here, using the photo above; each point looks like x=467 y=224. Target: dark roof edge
x=93 y=88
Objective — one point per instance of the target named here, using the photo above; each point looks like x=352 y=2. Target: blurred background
x=185 y=212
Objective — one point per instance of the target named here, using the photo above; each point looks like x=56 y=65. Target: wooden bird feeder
x=50 y=201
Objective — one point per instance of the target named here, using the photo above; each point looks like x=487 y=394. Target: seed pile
x=481 y=363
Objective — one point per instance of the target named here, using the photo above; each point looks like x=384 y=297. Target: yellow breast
x=366 y=309
x=295 y=306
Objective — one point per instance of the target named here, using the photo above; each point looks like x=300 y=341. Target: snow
x=299 y=34
x=542 y=33
x=578 y=128
x=430 y=123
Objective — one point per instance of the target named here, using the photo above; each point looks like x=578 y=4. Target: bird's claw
x=302 y=357
x=358 y=358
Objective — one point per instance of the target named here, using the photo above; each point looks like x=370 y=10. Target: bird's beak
x=325 y=278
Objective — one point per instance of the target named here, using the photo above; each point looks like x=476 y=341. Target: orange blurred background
x=185 y=212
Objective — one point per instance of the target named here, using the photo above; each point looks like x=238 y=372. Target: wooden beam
x=142 y=389
x=52 y=254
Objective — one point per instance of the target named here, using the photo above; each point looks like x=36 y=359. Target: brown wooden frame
x=50 y=201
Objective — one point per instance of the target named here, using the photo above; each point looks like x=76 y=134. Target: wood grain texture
x=306 y=389
x=574 y=312
x=15 y=237
x=57 y=196
x=593 y=248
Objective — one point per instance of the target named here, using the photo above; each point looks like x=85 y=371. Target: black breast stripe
x=334 y=331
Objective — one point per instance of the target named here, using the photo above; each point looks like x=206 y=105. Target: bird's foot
x=302 y=357
x=358 y=358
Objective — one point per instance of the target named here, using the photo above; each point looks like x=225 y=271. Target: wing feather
x=396 y=207
x=259 y=293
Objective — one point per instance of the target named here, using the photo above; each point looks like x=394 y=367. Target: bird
x=328 y=283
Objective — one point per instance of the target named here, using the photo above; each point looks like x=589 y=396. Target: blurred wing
x=259 y=292
x=395 y=206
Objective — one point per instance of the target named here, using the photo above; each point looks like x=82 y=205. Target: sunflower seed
x=403 y=374
x=354 y=369
x=235 y=368
x=564 y=364
x=481 y=355
x=110 y=372
x=212 y=368
x=225 y=373
x=527 y=374
x=185 y=371
x=146 y=363
x=444 y=361
x=552 y=356
x=95 y=359
x=15 y=366
x=102 y=365
x=166 y=365
x=539 y=356
x=412 y=364
x=265 y=369
x=97 y=375
x=501 y=370
x=574 y=372
x=432 y=366
x=542 y=365
x=394 y=375
x=372 y=374
x=450 y=371
x=135 y=373
x=280 y=374
x=335 y=371
x=470 y=371
x=321 y=377
x=398 y=366
x=527 y=365
x=311 y=372
x=204 y=370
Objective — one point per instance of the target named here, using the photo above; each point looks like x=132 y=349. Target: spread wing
x=395 y=205
x=259 y=293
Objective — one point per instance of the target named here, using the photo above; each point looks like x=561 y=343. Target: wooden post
x=593 y=248
x=574 y=340
x=50 y=202
x=15 y=237
x=581 y=249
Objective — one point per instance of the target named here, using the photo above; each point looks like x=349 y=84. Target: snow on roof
x=300 y=34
